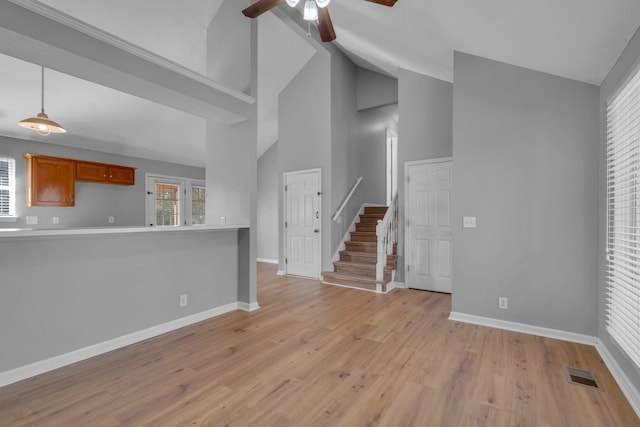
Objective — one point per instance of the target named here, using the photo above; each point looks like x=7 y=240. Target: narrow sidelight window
x=623 y=218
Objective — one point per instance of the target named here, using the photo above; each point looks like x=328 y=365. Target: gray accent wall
x=624 y=67
x=424 y=132
x=525 y=150
x=267 y=227
x=94 y=202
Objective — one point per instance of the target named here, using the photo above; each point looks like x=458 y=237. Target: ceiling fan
x=314 y=10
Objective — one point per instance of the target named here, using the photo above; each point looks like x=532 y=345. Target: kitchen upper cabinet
x=50 y=181
x=104 y=174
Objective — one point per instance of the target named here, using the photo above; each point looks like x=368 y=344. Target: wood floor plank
x=317 y=355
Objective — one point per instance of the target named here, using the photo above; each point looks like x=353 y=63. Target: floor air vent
x=583 y=378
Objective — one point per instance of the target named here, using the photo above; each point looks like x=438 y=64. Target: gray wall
x=304 y=119
x=344 y=133
x=525 y=149
x=320 y=127
x=231 y=163
x=623 y=68
x=424 y=131
x=94 y=202
x=228 y=59
x=375 y=90
x=73 y=292
x=267 y=229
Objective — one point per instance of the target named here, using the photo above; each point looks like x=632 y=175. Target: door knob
x=316 y=231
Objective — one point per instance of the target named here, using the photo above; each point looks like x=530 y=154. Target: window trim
x=12 y=217
x=185 y=210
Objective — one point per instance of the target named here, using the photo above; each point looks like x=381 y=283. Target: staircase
x=357 y=265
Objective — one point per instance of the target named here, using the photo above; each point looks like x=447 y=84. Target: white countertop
x=87 y=231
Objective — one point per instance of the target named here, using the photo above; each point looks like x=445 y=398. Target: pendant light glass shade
x=293 y=3
x=41 y=123
x=322 y=3
x=310 y=11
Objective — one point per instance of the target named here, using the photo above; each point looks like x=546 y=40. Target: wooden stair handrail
x=346 y=199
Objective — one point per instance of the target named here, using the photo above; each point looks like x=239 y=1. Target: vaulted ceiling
x=577 y=39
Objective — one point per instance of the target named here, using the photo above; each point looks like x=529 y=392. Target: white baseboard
x=42 y=366
x=524 y=328
x=268 y=261
x=280 y=273
x=395 y=284
x=627 y=387
x=248 y=307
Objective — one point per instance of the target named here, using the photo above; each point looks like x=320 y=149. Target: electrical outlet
x=183 y=300
x=503 y=303
x=112 y=219
x=469 y=222
x=223 y=220
x=32 y=220
x=55 y=220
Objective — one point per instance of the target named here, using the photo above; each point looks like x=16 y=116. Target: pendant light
x=41 y=123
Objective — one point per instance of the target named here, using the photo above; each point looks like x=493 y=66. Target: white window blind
x=623 y=218
x=7 y=187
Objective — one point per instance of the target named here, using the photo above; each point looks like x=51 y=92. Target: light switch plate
x=32 y=220
x=55 y=220
x=469 y=222
x=112 y=219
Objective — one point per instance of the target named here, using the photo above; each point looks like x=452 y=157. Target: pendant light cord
x=42 y=92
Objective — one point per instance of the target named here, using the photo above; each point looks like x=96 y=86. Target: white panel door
x=428 y=228
x=302 y=223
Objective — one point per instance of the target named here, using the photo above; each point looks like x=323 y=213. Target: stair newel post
x=381 y=238
x=394 y=225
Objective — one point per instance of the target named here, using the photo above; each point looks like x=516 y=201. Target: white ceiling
x=577 y=39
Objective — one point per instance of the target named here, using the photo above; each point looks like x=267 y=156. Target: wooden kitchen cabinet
x=104 y=174
x=50 y=181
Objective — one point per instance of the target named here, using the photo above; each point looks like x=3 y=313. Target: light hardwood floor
x=318 y=355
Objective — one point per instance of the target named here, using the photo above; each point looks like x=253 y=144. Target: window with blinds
x=623 y=218
x=7 y=187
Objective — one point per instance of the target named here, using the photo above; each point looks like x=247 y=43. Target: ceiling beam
x=39 y=39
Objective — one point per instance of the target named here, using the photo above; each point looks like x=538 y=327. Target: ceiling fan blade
x=260 y=7
x=325 y=26
x=389 y=3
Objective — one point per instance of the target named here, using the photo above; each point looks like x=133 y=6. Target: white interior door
x=428 y=229
x=302 y=223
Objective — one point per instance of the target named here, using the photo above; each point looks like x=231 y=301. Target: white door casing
x=302 y=223
x=428 y=228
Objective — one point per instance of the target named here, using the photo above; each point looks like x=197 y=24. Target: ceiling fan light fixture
x=293 y=3
x=322 y=3
x=42 y=123
x=310 y=11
